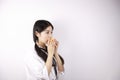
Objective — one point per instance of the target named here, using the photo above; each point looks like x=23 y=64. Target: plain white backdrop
x=88 y=32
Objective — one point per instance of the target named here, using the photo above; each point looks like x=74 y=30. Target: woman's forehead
x=48 y=28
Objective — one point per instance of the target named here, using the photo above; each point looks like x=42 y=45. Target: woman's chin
x=46 y=44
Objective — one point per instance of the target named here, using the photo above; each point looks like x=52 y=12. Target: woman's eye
x=47 y=32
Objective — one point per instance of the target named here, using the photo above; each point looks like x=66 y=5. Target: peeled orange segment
x=52 y=39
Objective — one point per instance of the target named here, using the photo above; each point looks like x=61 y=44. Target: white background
x=88 y=32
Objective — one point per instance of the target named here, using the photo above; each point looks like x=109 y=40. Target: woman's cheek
x=46 y=40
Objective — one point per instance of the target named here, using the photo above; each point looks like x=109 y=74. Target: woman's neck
x=40 y=44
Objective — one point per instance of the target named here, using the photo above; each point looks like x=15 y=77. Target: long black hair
x=39 y=26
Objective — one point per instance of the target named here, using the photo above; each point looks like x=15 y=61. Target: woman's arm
x=58 y=60
x=48 y=63
x=59 y=63
x=51 y=52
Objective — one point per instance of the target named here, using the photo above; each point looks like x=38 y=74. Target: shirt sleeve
x=36 y=69
x=61 y=75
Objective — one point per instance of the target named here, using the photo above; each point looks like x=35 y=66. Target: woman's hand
x=56 y=46
x=51 y=47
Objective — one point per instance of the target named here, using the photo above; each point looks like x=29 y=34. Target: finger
x=48 y=42
x=57 y=43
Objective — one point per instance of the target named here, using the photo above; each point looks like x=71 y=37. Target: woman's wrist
x=51 y=55
x=56 y=54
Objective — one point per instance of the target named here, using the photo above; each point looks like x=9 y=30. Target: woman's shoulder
x=31 y=56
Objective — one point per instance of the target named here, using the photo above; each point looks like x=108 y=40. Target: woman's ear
x=37 y=33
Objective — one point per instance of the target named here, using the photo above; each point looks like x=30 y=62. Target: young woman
x=44 y=61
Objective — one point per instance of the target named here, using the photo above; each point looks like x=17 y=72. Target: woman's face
x=45 y=35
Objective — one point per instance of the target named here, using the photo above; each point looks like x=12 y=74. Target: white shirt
x=36 y=69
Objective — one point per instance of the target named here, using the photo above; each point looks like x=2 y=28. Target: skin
x=45 y=38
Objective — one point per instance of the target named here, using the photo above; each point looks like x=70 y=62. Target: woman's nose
x=50 y=35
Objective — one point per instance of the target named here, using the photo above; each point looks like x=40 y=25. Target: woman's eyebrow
x=46 y=30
